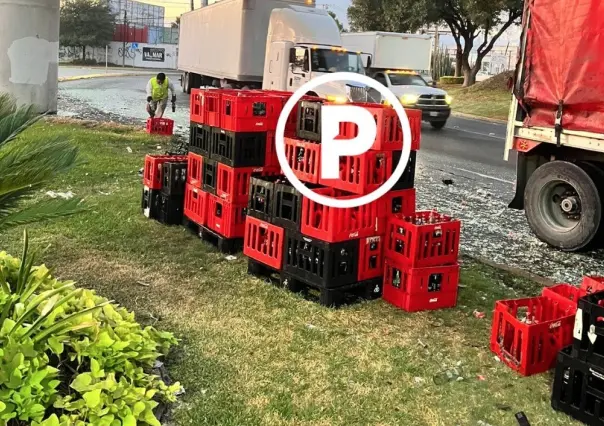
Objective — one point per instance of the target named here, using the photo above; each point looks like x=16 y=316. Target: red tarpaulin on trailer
x=565 y=62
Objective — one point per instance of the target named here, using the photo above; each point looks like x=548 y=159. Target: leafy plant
x=25 y=167
x=71 y=357
x=451 y=80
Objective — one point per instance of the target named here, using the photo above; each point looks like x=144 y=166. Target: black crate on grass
x=407 y=180
x=261 y=199
x=319 y=263
x=309 y=120
x=169 y=209
x=239 y=149
x=287 y=206
x=578 y=389
x=200 y=139
x=174 y=178
x=149 y=203
x=209 y=175
x=589 y=322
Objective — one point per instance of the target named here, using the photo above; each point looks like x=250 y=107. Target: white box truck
x=398 y=61
x=270 y=44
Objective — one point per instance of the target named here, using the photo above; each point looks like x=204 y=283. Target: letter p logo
x=331 y=148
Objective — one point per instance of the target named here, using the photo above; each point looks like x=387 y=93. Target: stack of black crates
x=164 y=178
x=579 y=379
x=337 y=253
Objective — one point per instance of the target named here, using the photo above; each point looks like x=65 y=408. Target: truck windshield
x=323 y=60
x=406 y=80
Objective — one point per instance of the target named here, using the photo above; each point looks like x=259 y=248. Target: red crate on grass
x=389 y=135
x=249 y=111
x=371 y=257
x=233 y=184
x=335 y=225
x=195 y=204
x=195 y=170
x=160 y=126
x=263 y=242
x=362 y=174
x=227 y=219
x=564 y=291
x=304 y=158
x=153 y=171
x=196 y=104
x=420 y=289
x=426 y=238
x=592 y=284
x=528 y=333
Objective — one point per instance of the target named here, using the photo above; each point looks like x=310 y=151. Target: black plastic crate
x=174 y=178
x=319 y=263
x=170 y=208
x=309 y=120
x=209 y=175
x=261 y=199
x=407 y=180
x=200 y=139
x=148 y=202
x=239 y=149
x=287 y=207
x=590 y=321
x=578 y=389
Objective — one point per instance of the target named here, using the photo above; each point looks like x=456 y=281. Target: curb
x=91 y=76
x=478 y=117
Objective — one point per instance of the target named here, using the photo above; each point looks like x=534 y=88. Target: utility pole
x=29 y=48
x=192 y=4
x=124 y=38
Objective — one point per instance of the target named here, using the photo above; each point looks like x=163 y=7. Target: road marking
x=484 y=176
x=488 y=135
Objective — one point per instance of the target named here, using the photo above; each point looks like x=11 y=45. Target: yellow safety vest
x=159 y=91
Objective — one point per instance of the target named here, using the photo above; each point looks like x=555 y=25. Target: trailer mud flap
x=521 y=180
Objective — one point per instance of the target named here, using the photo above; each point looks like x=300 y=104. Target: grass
x=491 y=103
x=252 y=354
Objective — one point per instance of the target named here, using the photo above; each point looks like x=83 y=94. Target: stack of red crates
x=232 y=135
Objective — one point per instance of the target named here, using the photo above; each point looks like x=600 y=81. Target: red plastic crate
x=271 y=162
x=195 y=170
x=371 y=258
x=160 y=126
x=233 y=184
x=424 y=239
x=362 y=174
x=153 y=171
x=196 y=104
x=304 y=158
x=389 y=135
x=564 y=291
x=528 y=333
x=336 y=225
x=420 y=289
x=211 y=106
x=263 y=242
x=399 y=202
x=592 y=284
x=249 y=111
x=195 y=204
x=227 y=219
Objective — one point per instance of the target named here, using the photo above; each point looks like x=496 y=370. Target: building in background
x=138 y=22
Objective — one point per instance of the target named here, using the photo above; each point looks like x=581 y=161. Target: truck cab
x=414 y=92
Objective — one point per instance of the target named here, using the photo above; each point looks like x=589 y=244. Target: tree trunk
x=83 y=53
x=458 y=61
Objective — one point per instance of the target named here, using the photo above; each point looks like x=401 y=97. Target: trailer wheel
x=186 y=83
x=563 y=205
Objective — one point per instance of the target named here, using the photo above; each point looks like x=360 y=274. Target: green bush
x=69 y=357
x=451 y=80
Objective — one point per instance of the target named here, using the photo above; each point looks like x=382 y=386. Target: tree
x=26 y=166
x=86 y=23
x=470 y=22
x=338 y=23
x=176 y=23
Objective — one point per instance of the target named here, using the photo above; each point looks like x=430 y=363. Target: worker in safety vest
x=157 y=95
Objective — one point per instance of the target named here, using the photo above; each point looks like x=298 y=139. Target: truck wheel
x=186 y=83
x=438 y=124
x=563 y=205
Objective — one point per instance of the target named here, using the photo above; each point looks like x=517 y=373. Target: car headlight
x=449 y=99
x=409 y=99
x=337 y=99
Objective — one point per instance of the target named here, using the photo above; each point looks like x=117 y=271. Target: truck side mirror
x=368 y=62
x=292 y=55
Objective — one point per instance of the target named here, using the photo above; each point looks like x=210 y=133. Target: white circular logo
x=329 y=201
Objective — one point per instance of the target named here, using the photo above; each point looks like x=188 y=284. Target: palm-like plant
x=25 y=167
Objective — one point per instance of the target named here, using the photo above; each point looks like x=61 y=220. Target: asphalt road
x=468 y=153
